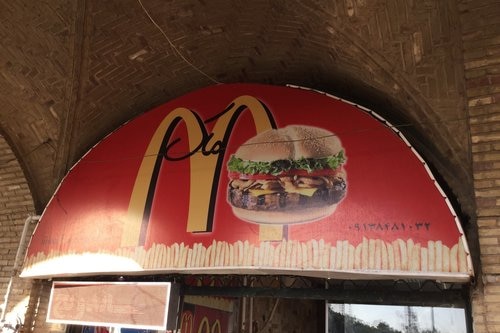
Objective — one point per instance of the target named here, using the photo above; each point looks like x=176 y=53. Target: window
x=367 y=318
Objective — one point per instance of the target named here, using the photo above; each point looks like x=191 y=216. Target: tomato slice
x=296 y=172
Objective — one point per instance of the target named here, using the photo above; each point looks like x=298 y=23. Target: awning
x=195 y=186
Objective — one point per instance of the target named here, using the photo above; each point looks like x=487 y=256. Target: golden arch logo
x=205 y=326
x=187 y=322
x=216 y=327
x=206 y=154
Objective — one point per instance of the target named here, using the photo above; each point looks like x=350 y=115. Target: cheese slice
x=261 y=192
x=304 y=191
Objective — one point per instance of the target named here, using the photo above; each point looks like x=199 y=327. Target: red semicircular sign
x=252 y=179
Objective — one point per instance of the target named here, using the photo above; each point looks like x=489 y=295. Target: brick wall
x=481 y=42
x=37 y=310
x=16 y=205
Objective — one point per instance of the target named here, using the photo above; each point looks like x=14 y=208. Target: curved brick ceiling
x=72 y=71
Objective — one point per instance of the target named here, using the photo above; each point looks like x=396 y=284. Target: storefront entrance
x=274 y=304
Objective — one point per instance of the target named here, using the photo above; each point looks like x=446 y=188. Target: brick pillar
x=481 y=30
x=16 y=204
x=36 y=314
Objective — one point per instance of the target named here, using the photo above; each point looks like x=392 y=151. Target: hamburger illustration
x=287 y=175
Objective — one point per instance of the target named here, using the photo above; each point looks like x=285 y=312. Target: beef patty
x=281 y=200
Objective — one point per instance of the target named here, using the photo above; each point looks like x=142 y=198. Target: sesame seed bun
x=291 y=142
